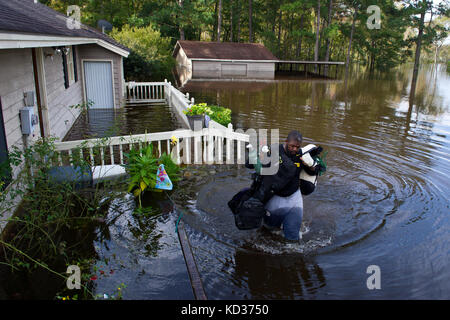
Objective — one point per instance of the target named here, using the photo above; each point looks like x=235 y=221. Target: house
x=200 y=59
x=47 y=65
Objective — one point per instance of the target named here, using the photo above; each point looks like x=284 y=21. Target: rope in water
x=180 y=215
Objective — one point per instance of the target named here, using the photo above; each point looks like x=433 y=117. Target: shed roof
x=224 y=50
x=30 y=17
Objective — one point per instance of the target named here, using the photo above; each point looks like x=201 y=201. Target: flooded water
x=383 y=201
x=131 y=119
x=143 y=252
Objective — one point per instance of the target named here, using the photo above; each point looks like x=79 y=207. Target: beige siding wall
x=225 y=69
x=94 y=52
x=16 y=77
x=183 y=67
x=61 y=116
x=182 y=59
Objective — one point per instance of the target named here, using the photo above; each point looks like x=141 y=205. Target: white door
x=99 y=84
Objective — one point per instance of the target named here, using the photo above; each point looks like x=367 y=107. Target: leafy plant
x=219 y=114
x=142 y=170
x=196 y=109
x=142 y=167
x=84 y=107
x=48 y=230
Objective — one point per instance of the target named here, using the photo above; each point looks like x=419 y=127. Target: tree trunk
x=287 y=45
x=250 y=18
x=219 y=21
x=350 y=44
x=316 y=47
x=299 y=46
x=327 y=52
x=412 y=92
x=231 y=21
x=280 y=17
x=239 y=22
x=180 y=28
x=214 y=34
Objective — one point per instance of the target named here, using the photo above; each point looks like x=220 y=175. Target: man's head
x=293 y=143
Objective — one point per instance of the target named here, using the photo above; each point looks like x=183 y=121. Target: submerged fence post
x=170 y=94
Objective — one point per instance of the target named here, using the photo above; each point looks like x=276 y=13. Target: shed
x=201 y=59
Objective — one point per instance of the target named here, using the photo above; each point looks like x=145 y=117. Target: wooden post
x=194 y=275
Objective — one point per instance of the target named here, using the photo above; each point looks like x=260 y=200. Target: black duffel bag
x=248 y=211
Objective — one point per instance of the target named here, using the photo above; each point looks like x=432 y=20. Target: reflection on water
x=143 y=252
x=131 y=119
x=384 y=199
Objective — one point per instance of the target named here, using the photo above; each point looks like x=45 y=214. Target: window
x=70 y=66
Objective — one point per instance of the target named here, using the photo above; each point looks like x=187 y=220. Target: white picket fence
x=159 y=92
x=143 y=92
x=214 y=145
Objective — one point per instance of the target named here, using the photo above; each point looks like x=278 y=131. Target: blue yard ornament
x=162 y=179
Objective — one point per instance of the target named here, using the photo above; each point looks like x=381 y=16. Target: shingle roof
x=26 y=16
x=224 y=50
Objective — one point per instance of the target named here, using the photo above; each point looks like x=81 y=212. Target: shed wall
x=235 y=69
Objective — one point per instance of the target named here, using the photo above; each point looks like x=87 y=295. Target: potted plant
x=196 y=113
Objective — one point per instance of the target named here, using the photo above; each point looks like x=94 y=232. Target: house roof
x=33 y=18
x=224 y=50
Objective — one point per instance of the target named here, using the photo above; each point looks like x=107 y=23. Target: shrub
x=53 y=225
x=150 y=57
x=142 y=169
x=219 y=114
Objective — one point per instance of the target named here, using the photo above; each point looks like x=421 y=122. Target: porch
x=216 y=144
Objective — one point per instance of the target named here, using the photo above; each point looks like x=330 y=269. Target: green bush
x=150 y=57
x=53 y=225
x=142 y=169
x=219 y=114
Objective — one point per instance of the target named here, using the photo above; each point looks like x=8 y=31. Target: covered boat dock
x=294 y=65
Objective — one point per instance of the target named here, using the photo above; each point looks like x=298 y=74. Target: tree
x=219 y=21
x=250 y=20
x=421 y=8
x=327 y=53
x=316 y=46
x=150 y=57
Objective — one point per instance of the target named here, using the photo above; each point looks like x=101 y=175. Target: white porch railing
x=209 y=145
x=216 y=144
x=157 y=92
x=145 y=91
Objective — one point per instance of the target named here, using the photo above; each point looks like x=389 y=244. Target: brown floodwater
x=383 y=201
x=131 y=119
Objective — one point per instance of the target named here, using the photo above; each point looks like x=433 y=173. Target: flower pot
x=196 y=122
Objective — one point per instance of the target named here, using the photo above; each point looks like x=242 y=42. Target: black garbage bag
x=248 y=211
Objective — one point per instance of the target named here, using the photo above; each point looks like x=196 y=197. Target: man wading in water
x=275 y=199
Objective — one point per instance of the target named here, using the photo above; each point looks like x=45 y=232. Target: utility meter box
x=28 y=120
